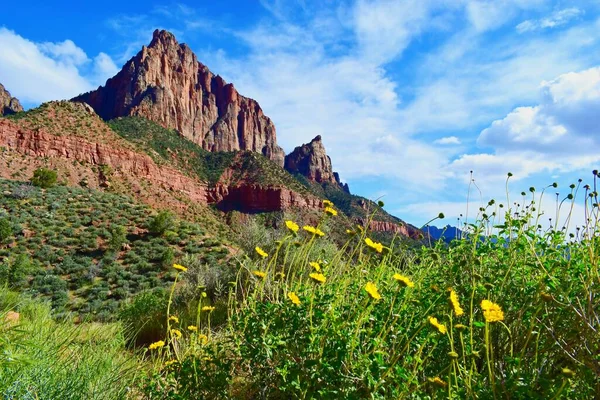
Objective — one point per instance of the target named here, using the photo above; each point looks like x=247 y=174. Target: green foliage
x=378 y=324
x=72 y=240
x=162 y=222
x=41 y=358
x=166 y=145
x=118 y=237
x=6 y=229
x=143 y=316
x=44 y=178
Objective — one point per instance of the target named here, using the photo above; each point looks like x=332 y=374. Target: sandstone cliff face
x=165 y=83
x=312 y=161
x=136 y=168
x=8 y=104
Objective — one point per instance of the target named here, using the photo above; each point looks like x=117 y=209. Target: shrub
x=162 y=222
x=44 y=178
x=143 y=316
x=118 y=237
x=6 y=229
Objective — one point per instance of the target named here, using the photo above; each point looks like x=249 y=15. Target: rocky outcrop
x=312 y=161
x=255 y=198
x=165 y=83
x=133 y=165
x=8 y=105
x=401 y=229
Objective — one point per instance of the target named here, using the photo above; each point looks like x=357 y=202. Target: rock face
x=8 y=104
x=312 y=161
x=165 y=83
x=140 y=167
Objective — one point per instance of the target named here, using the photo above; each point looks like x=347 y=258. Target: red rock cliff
x=165 y=83
x=133 y=165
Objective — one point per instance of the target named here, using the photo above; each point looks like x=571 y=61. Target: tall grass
x=508 y=312
x=41 y=358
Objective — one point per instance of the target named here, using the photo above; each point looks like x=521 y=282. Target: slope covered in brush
x=88 y=250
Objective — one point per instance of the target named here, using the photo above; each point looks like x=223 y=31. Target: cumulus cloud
x=565 y=125
x=556 y=19
x=560 y=135
x=448 y=140
x=38 y=72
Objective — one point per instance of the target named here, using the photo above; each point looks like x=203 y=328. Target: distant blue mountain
x=447 y=233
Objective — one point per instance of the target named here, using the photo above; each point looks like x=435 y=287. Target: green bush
x=44 y=178
x=162 y=222
x=6 y=229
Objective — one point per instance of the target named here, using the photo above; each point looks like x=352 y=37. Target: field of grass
x=514 y=314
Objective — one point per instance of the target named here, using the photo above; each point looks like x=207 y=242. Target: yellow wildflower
x=372 y=290
x=203 y=338
x=292 y=296
x=458 y=311
x=261 y=252
x=292 y=226
x=404 y=280
x=331 y=211
x=156 y=345
x=259 y=274
x=180 y=267
x=313 y=230
x=360 y=228
x=318 y=277
x=442 y=328
x=438 y=382
x=492 y=311
x=315 y=265
x=350 y=232
x=208 y=308
x=170 y=362
x=174 y=319
x=378 y=247
x=193 y=328
x=327 y=203
x=176 y=333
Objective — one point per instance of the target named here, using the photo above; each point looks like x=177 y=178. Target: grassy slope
x=64 y=232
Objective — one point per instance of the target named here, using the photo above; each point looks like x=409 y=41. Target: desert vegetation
x=508 y=311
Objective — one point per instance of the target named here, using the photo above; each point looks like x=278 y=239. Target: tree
x=5 y=229
x=44 y=178
x=161 y=223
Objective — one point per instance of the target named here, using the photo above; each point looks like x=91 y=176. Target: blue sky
x=409 y=96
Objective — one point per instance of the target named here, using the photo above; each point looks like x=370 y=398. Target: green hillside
x=89 y=250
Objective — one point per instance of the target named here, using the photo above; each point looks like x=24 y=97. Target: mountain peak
x=312 y=161
x=166 y=84
x=161 y=35
x=8 y=104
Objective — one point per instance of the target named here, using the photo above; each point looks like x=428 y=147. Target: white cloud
x=557 y=18
x=448 y=140
x=491 y=14
x=385 y=28
x=104 y=68
x=565 y=126
x=560 y=135
x=39 y=72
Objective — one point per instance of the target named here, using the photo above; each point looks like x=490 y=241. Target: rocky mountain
x=311 y=161
x=167 y=84
x=170 y=133
x=8 y=104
